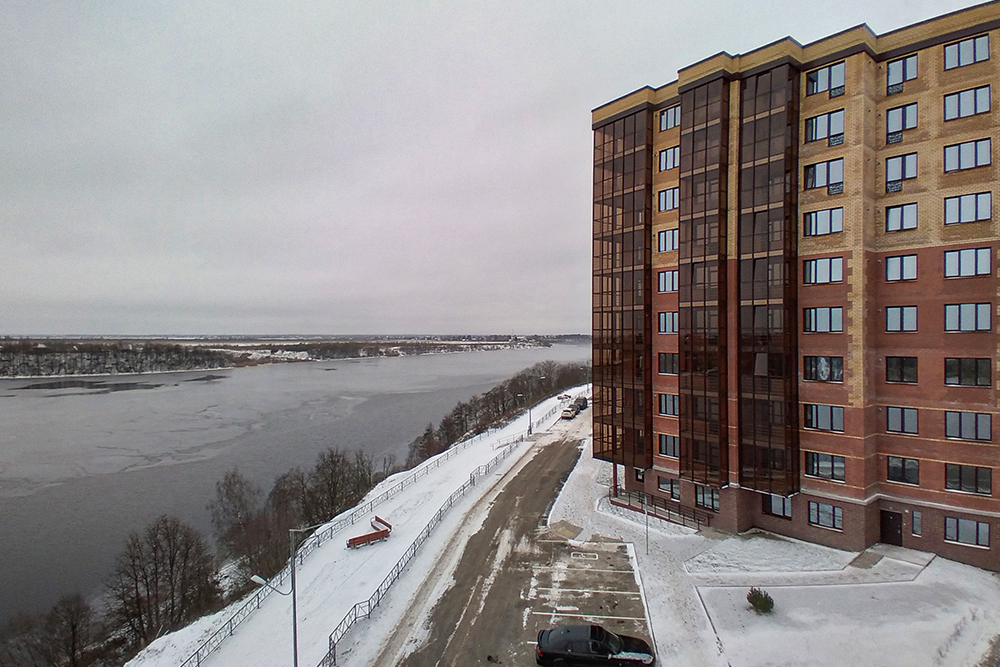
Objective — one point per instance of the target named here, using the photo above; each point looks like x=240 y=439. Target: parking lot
x=583 y=582
x=518 y=575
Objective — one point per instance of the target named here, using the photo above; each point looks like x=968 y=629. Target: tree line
x=167 y=574
x=497 y=405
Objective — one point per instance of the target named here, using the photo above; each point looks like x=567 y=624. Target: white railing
x=365 y=607
x=338 y=524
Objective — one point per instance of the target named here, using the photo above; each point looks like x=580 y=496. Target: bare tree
x=70 y=628
x=63 y=636
x=22 y=643
x=238 y=519
x=163 y=579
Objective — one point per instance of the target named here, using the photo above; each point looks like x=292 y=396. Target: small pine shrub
x=761 y=602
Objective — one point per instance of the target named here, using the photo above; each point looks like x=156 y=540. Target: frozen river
x=85 y=460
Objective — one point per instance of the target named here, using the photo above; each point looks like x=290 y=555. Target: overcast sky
x=330 y=167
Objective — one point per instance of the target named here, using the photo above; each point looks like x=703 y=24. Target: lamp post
x=260 y=581
x=540 y=377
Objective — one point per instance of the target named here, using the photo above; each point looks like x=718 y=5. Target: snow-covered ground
x=907 y=608
x=333 y=578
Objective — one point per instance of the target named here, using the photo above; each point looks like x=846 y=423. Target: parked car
x=570 y=645
x=569 y=412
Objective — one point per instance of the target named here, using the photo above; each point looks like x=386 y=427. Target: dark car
x=590 y=645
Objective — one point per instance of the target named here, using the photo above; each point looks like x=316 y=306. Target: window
x=670 y=158
x=829 y=175
x=827 y=126
x=827 y=466
x=967 y=372
x=826 y=78
x=967 y=52
x=899 y=119
x=670 y=404
x=823 y=369
x=967 y=317
x=967 y=103
x=898 y=169
x=668 y=323
x=670 y=445
x=824 y=417
x=967 y=262
x=900 y=318
x=828 y=516
x=670 y=118
x=916 y=519
x=777 y=506
x=820 y=223
x=670 y=199
x=902 y=470
x=901 y=369
x=970 y=479
x=673 y=486
x=706 y=496
x=825 y=270
x=967 y=531
x=823 y=320
x=669 y=363
x=667 y=281
x=898 y=218
x=901 y=420
x=640 y=474
x=900 y=267
x=666 y=240
x=900 y=71
x=968 y=208
x=968 y=425
x=967 y=155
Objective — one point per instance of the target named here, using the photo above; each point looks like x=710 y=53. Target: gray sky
x=330 y=167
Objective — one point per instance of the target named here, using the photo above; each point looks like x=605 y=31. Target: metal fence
x=338 y=524
x=660 y=508
x=365 y=607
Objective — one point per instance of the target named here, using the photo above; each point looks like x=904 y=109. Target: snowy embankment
x=333 y=578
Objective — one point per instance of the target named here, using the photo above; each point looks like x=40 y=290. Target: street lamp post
x=260 y=581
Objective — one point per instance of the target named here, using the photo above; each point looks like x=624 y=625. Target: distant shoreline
x=242 y=357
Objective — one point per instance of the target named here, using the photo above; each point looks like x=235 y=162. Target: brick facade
x=875 y=413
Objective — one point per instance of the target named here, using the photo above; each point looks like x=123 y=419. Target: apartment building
x=795 y=289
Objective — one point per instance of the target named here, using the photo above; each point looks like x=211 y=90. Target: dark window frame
x=955 y=262
x=669 y=445
x=977 y=480
x=825 y=466
x=899 y=370
x=813 y=368
x=815 y=221
x=900 y=268
x=968 y=372
x=970 y=426
x=902 y=470
x=823 y=417
x=978 y=48
x=908 y=217
x=953 y=531
x=901 y=420
x=818 y=515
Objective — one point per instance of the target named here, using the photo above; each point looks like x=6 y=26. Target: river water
x=85 y=461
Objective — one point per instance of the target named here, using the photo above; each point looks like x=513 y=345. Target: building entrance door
x=892 y=528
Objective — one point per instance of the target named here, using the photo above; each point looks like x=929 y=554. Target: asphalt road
x=514 y=576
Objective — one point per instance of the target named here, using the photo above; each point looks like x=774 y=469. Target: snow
x=909 y=608
x=333 y=578
x=902 y=608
